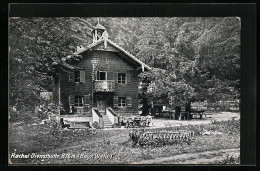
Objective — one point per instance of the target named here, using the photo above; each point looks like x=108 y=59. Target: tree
x=204 y=57
x=34 y=44
x=193 y=58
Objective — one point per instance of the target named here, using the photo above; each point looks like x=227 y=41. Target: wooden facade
x=105 y=76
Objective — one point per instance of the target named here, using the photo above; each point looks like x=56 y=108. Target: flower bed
x=160 y=138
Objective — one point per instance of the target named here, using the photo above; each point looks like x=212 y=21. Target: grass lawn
x=111 y=146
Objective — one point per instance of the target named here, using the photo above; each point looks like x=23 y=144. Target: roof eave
x=116 y=46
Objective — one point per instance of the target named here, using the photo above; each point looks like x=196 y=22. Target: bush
x=21 y=115
x=46 y=110
x=230 y=159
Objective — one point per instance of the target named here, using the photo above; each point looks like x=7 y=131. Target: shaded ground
x=113 y=146
x=222 y=116
x=207 y=157
x=164 y=122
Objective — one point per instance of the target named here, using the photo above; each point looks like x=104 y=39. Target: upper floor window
x=121 y=78
x=101 y=75
x=99 y=35
x=77 y=76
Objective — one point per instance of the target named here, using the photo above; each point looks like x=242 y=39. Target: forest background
x=193 y=59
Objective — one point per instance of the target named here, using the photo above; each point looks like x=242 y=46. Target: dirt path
x=222 y=116
x=193 y=158
x=162 y=122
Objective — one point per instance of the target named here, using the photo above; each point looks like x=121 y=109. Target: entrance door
x=101 y=105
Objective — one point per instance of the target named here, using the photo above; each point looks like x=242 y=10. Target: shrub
x=230 y=159
x=21 y=115
x=47 y=110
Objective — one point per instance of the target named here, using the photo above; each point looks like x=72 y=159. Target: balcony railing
x=104 y=86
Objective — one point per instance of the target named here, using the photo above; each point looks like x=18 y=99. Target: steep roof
x=64 y=64
x=115 y=46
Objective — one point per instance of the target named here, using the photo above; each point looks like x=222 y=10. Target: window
x=121 y=78
x=101 y=75
x=121 y=101
x=77 y=76
x=78 y=101
x=99 y=34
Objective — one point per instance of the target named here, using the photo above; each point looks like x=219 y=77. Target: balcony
x=104 y=86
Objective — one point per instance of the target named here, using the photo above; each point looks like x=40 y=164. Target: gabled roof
x=115 y=46
x=66 y=65
x=128 y=54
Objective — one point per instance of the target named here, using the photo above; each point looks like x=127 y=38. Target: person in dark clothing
x=145 y=110
x=188 y=109
x=177 y=111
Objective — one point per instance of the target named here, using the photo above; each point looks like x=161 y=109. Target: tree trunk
x=145 y=110
x=177 y=112
x=188 y=106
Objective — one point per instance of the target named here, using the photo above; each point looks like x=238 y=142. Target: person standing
x=149 y=119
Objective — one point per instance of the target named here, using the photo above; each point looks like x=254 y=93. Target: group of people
x=142 y=121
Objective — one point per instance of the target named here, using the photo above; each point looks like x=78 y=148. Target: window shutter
x=129 y=101
x=82 y=77
x=115 y=77
x=110 y=76
x=86 y=100
x=71 y=76
x=128 y=77
x=71 y=100
x=115 y=101
x=97 y=75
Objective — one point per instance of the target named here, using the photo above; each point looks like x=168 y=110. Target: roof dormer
x=99 y=32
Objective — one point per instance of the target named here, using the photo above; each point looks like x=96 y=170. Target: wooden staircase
x=106 y=121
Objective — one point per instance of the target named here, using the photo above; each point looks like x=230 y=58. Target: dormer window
x=99 y=35
x=98 y=32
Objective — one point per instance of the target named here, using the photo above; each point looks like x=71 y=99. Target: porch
x=98 y=119
x=104 y=86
